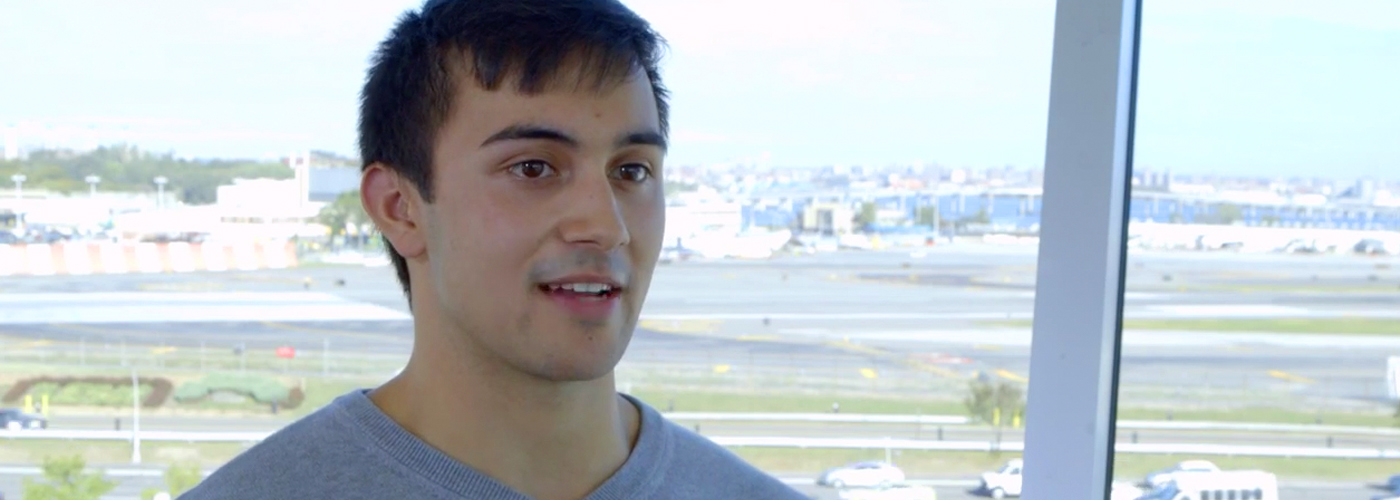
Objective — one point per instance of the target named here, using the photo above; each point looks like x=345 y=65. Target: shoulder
x=711 y=471
x=311 y=456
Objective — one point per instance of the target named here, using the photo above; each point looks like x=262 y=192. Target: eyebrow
x=542 y=133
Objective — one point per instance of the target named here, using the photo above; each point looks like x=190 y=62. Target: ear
x=396 y=208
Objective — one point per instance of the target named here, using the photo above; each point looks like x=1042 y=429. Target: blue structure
x=1020 y=211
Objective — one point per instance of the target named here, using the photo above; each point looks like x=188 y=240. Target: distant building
x=11 y=143
x=328 y=183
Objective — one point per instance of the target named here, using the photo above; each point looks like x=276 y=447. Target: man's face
x=547 y=223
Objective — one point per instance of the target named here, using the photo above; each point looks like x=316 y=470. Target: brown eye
x=633 y=172
x=532 y=169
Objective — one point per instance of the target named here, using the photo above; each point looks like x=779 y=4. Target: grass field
x=779 y=461
x=789 y=461
x=691 y=401
x=320 y=391
x=1343 y=325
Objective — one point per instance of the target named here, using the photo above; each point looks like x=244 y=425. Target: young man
x=513 y=161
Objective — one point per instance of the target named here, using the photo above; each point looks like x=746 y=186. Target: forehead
x=576 y=89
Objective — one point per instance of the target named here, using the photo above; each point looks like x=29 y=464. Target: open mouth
x=595 y=291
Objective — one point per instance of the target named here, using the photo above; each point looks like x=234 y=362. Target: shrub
x=98 y=391
x=264 y=390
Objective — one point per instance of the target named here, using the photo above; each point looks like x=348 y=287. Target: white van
x=1005 y=482
x=1226 y=485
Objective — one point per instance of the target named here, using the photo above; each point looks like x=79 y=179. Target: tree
x=928 y=215
x=868 y=214
x=124 y=168
x=994 y=402
x=67 y=481
x=346 y=209
x=178 y=479
x=1228 y=213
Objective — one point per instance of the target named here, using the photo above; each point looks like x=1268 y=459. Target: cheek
x=648 y=223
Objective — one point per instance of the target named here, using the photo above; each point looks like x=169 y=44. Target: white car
x=862 y=474
x=1161 y=477
x=1125 y=491
x=893 y=492
x=1005 y=482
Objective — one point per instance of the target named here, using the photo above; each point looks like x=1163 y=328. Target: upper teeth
x=584 y=287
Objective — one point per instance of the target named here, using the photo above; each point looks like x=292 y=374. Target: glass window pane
x=853 y=208
x=1259 y=320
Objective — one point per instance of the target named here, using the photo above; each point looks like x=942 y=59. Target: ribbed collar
x=638 y=477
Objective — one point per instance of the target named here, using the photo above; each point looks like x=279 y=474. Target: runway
x=133 y=480
x=899 y=323
x=954 y=312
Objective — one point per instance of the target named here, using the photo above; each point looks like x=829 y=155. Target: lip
x=586 y=278
x=584 y=308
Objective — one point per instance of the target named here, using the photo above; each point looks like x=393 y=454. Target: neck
x=549 y=440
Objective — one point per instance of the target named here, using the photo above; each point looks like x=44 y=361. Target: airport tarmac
x=956 y=311
x=133 y=480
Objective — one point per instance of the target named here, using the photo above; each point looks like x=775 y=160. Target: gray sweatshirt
x=350 y=449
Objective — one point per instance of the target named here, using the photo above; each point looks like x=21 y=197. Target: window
x=1251 y=317
x=866 y=217
x=855 y=188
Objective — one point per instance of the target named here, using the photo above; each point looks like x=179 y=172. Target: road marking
x=756 y=338
x=325 y=331
x=681 y=325
x=163 y=350
x=33 y=343
x=869 y=373
x=986 y=347
x=1279 y=374
x=847 y=345
x=721 y=368
x=1009 y=375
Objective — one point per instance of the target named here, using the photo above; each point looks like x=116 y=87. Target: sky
x=1231 y=87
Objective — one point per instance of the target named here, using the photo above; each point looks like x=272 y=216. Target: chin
x=573 y=370
x=576 y=361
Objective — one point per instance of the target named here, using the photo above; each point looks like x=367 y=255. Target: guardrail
x=854 y=418
x=1162 y=448
x=1164 y=425
x=792 y=442
x=103 y=435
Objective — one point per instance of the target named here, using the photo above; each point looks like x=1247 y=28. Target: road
x=897 y=323
x=789 y=429
x=953 y=311
x=131 y=482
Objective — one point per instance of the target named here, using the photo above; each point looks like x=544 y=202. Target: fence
x=81 y=258
x=796 y=442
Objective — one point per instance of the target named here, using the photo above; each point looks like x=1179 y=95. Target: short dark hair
x=409 y=90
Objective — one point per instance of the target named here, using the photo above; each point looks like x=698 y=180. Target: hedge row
x=264 y=390
x=91 y=390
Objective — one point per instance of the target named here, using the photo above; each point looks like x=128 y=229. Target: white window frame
x=1079 y=281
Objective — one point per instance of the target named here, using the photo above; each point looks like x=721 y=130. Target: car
x=1393 y=483
x=862 y=474
x=8 y=238
x=12 y=419
x=1371 y=247
x=1125 y=490
x=1161 y=477
x=891 y=492
x=1003 y=483
x=1240 y=485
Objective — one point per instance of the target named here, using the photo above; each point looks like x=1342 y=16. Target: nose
x=592 y=215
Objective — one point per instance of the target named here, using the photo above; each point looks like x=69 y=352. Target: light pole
x=160 y=191
x=92 y=181
x=135 y=418
x=19 y=185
